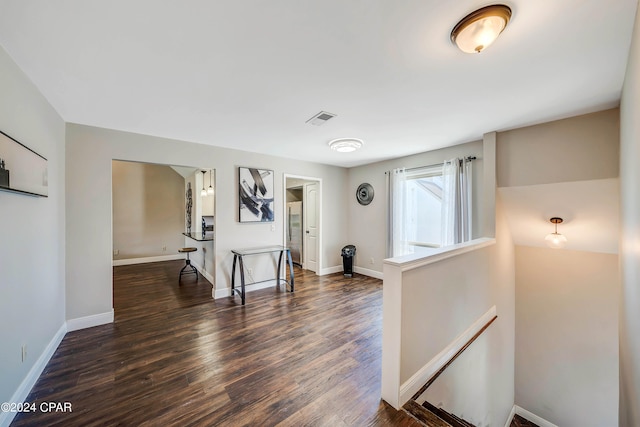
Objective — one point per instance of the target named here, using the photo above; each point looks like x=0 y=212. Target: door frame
x=319 y=269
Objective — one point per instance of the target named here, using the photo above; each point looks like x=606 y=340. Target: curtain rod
x=468 y=159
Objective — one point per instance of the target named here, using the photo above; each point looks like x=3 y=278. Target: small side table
x=239 y=254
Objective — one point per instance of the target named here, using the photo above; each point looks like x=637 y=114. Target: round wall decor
x=364 y=194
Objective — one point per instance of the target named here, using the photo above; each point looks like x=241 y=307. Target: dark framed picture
x=255 y=195
x=22 y=170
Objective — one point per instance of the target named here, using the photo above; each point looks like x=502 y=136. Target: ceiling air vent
x=320 y=118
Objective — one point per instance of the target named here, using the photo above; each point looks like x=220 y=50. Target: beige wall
x=368 y=224
x=630 y=237
x=565 y=168
x=567 y=336
x=574 y=149
x=89 y=153
x=32 y=253
x=148 y=210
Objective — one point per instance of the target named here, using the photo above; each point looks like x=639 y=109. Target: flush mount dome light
x=345 y=145
x=476 y=31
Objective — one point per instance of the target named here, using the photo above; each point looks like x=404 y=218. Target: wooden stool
x=188 y=264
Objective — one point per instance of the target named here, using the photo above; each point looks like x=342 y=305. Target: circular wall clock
x=364 y=194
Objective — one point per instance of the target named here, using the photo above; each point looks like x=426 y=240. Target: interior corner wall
x=90 y=151
x=566 y=336
x=574 y=149
x=368 y=224
x=629 y=327
x=148 y=210
x=32 y=302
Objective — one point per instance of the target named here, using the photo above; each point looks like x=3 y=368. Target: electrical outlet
x=116 y=252
x=250 y=271
x=164 y=248
x=24 y=352
x=273 y=227
x=371 y=261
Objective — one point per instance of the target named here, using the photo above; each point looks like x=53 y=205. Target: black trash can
x=348 y=252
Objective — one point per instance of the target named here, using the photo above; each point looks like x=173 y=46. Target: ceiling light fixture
x=210 y=189
x=203 y=192
x=476 y=31
x=556 y=240
x=345 y=145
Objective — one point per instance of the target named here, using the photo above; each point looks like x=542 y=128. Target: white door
x=310 y=221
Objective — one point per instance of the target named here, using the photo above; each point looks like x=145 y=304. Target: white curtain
x=456 y=201
x=397 y=239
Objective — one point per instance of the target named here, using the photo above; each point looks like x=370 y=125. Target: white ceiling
x=248 y=74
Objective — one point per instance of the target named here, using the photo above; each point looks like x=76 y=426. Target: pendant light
x=203 y=192
x=476 y=31
x=210 y=189
x=556 y=240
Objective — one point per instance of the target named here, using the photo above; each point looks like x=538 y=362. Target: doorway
x=303 y=221
x=158 y=209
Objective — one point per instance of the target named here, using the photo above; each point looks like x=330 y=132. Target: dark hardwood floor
x=174 y=356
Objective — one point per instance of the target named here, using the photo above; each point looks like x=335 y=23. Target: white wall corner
x=30 y=380
x=89 y=321
x=204 y=272
x=488 y=213
x=391 y=334
x=533 y=417
x=510 y=418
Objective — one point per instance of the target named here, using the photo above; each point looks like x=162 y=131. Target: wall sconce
x=556 y=240
x=203 y=192
x=480 y=28
x=210 y=189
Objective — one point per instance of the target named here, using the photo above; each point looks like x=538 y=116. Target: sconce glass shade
x=478 y=30
x=555 y=240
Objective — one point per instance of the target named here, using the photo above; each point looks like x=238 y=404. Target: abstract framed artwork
x=255 y=195
x=22 y=170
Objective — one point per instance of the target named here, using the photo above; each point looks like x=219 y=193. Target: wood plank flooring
x=174 y=356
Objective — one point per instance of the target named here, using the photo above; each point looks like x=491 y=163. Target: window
x=429 y=207
x=423 y=208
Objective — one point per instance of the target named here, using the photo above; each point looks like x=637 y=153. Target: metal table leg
x=290 y=269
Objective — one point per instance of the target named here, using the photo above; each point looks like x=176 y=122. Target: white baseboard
x=359 y=270
x=330 y=270
x=510 y=418
x=131 y=261
x=29 y=381
x=226 y=292
x=420 y=378
x=533 y=417
x=368 y=272
x=204 y=273
x=90 y=321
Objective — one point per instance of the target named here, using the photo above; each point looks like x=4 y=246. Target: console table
x=239 y=254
